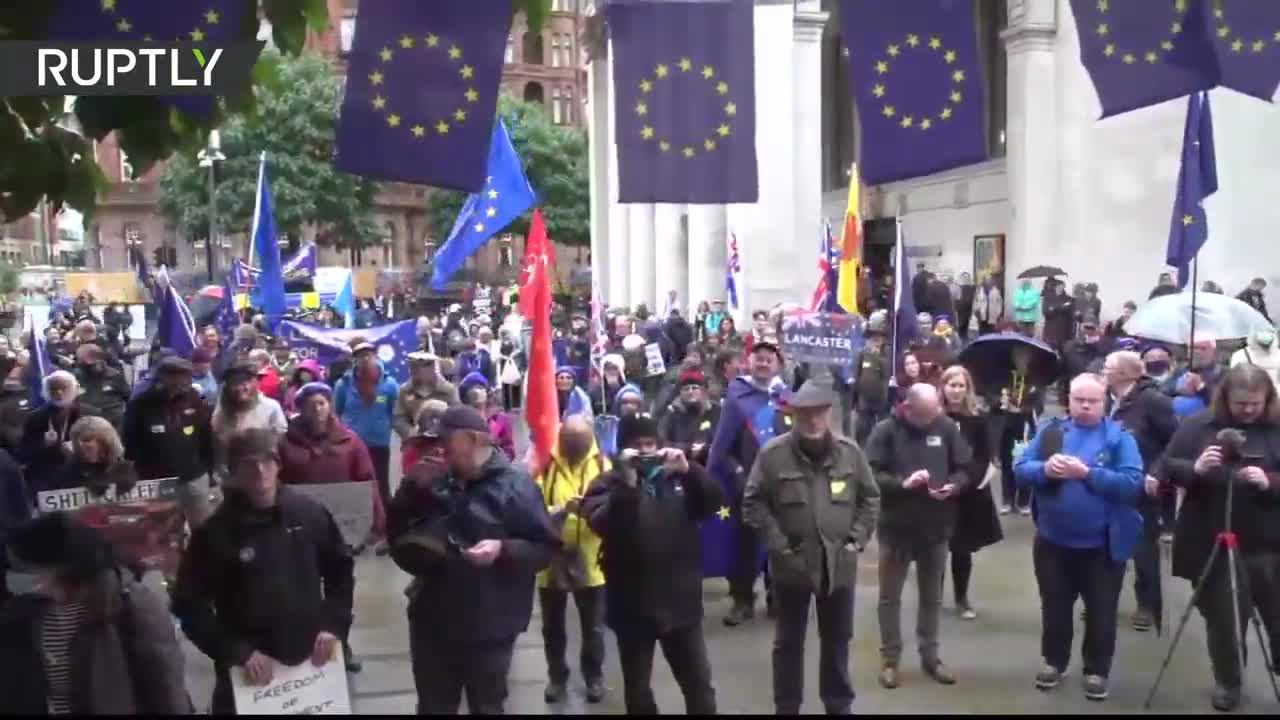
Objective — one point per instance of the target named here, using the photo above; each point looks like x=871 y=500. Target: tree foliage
x=295 y=123
x=40 y=158
x=555 y=161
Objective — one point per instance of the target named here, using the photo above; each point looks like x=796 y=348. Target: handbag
x=510 y=374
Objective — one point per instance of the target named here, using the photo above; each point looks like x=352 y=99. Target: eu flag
x=38 y=367
x=175 y=327
x=1197 y=180
x=905 y=325
x=1144 y=53
x=146 y=21
x=1246 y=37
x=422 y=86
x=684 y=79
x=917 y=85
x=267 y=248
x=505 y=197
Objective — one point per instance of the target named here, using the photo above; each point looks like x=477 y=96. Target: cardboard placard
x=299 y=690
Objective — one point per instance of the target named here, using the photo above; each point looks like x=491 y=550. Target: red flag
x=542 y=407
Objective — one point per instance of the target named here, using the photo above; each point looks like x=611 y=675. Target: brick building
x=546 y=67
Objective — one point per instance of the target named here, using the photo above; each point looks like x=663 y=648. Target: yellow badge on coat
x=786 y=420
x=188 y=430
x=706 y=425
x=837 y=487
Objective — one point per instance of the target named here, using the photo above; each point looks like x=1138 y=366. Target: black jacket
x=977 y=524
x=463 y=604
x=38 y=458
x=1255 y=513
x=1255 y=300
x=1147 y=413
x=168 y=437
x=15 y=406
x=1081 y=356
x=683 y=427
x=871 y=374
x=264 y=580
x=681 y=334
x=107 y=391
x=652 y=547
x=895 y=449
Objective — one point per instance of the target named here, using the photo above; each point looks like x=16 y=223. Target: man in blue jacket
x=749 y=417
x=1085 y=474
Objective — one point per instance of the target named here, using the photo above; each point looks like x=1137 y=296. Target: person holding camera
x=473 y=531
x=647 y=512
x=1085 y=475
x=812 y=498
x=1236 y=441
x=920 y=460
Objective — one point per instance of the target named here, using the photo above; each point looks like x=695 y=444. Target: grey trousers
x=896 y=556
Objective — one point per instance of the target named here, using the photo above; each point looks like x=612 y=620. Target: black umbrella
x=990 y=360
x=1041 y=271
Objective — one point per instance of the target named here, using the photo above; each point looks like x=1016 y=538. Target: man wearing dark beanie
x=647 y=510
x=690 y=421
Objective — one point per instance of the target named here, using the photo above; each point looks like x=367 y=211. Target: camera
x=1232 y=443
x=646 y=463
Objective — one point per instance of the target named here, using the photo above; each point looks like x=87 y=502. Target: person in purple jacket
x=750 y=416
x=475 y=391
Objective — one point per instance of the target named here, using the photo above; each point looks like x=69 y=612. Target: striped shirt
x=57 y=632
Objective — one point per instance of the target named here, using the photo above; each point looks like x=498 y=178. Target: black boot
x=354 y=666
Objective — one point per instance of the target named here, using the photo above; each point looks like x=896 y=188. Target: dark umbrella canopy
x=990 y=359
x=1041 y=271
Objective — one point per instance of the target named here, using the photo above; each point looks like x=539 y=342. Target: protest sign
x=393 y=342
x=299 y=690
x=145 y=525
x=822 y=338
x=654 y=364
x=350 y=503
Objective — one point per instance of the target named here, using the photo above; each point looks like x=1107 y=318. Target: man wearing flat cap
x=101 y=385
x=812 y=499
x=474 y=538
x=425 y=382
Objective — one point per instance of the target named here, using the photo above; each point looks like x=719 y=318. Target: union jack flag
x=828 y=266
x=732 y=270
x=601 y=338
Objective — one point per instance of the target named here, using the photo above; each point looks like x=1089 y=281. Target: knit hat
x=633 y=428
x=625 y=392
x=312 y=388
x=692 y=377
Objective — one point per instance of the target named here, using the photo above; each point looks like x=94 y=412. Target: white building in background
x=1060 y=188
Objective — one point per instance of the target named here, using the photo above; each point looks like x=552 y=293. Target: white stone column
x=618 y=287
x=1031 y=136
x=641 y=270
x=600 y=133
x=707 y=228
x=806 y=66
x=670 y=271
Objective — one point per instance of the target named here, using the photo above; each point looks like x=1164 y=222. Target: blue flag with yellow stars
x=1144 y=53
x=1197 y=180
x=422 y=86
x=1246 y=37
x=917 y=84
x=684 y=82
x=505 y=197
x=392 y=342
x=147 y=21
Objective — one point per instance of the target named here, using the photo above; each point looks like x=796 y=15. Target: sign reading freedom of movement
x=299 y=690
x=145 y=525
x=351 y=505
x=822 y=338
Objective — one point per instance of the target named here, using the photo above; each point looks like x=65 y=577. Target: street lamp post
x=210 y=157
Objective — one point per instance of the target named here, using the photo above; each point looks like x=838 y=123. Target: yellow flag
x=850 y=248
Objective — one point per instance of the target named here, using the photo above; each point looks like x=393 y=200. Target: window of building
x=993 y=19
x=428 y=251
x=126 y=168
x=389 y=245
x=555 y=50
x=509 y=55
x=569 y=111
x=346 y=31
x=556 y=110
x=533 y=93
x=531 y=49
x=506 y=255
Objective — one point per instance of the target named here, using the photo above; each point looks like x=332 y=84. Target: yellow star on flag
x=1217 y=12
x=646 y=132
x=723 y=131
x=442 y=127
x=1129 y=59
x=1152 y=57
x=406 y=42
x=379 y=102
x=731 y=109
x=908 y=121
x=1109 y=50
x=722 y=88
x=375 y=77
x=661 y=71
x=956 y=96
x=889 y=111
x=124 y=25
x=1224 y=31
x=935 y=43
x=491 y=212
x=1276 y=37
x=688 y=152
x=882 y=67
x=913 y=40
x=925 y=124
x=893 y=51
x=493 y=194
x=460 y=115
x=878 y=90
x=433 y=40
x=664 y=146
x=645 y=86
x=708 y=72
x=1237 y=45
x=418 y=131
x=709 y=144
x=686 y=64
x=211 y=17
x=108 y=5
x=1103 y=5
x=1166 y=46
x=957 y=76
x=1188 y=220
x=1258 y=45
x=393 y=120
x=945 y=114
x=479 y=227
x=1175 y=28
x=455 y=52
x=1103 y=29
x=723 y=512
x=197 y=35
x=949 y=57
x=466 y=72
x=471 y=95
x=642 y=109
x=385 y=54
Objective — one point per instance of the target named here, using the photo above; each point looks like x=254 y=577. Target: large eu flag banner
x=422 y=86
x=684 y=79
x=1197 y=180
x=1144 y=53
x=1246 y=41
x=918 y=86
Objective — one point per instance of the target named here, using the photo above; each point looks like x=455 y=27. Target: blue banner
x=393 y=342
x=302 y=266
x=823 y=338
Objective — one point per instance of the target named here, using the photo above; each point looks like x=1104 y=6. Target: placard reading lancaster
x=299 y=690
x=822 y=338
x=144 y=525
x=351 y=505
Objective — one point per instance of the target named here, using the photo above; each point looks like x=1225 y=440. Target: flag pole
x=1195 y=288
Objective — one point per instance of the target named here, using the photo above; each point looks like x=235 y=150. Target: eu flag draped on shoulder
x=1197 y=180
x=270 y=274
x=918 y=87
x=684 y=79
x=506 y=196
x=422 y=86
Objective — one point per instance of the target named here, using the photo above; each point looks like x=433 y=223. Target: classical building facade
x=1060 y=187
x=546 y=67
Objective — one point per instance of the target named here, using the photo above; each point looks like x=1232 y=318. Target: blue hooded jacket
x=1098 y=511
x=749 y=417
x=370 y=421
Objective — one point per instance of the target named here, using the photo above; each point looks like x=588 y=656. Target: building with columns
x=1060 y=187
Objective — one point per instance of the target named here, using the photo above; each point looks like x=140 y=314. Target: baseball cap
x=462 y=417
